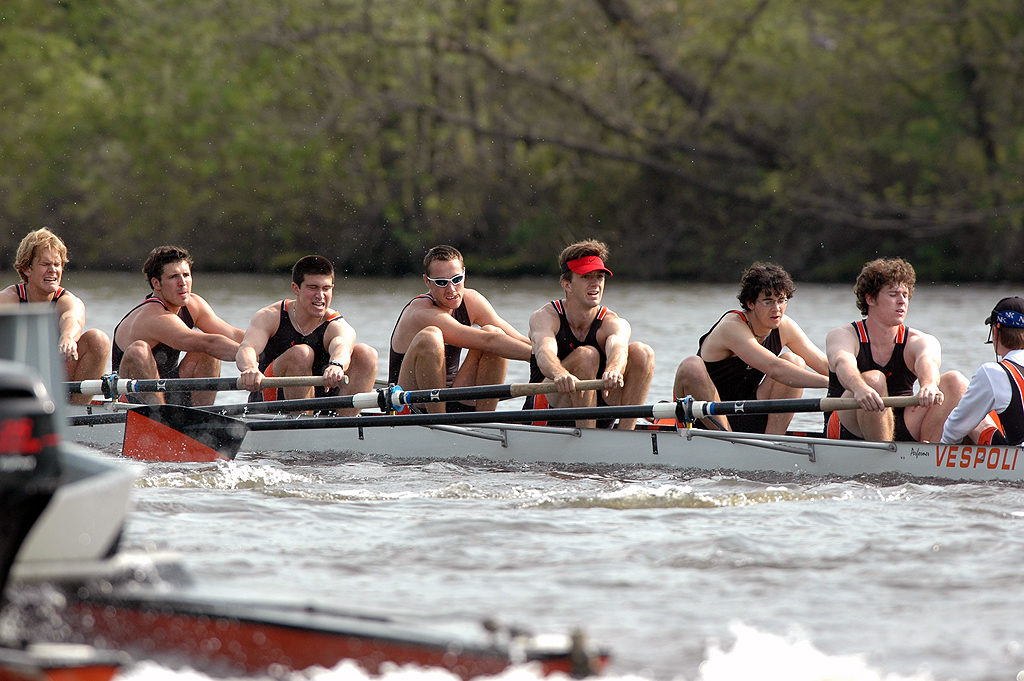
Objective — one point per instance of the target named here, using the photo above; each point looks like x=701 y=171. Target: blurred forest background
x=693 y=136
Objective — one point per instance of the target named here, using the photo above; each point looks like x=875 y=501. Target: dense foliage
x=693 y=136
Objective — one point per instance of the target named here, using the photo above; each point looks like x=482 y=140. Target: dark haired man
x=741 y=357
x=577 y=338
x=40 y=262
x=996 y=387
x=433 y=329
x=879 y=356
x=172 y=319
x=305 y=337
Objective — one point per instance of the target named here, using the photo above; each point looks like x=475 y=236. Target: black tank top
x=566 y=341
x=452 y=353
x=733 y=378
x=899 y=379
x=23 y=294
x=166 y=357
x=287 y=335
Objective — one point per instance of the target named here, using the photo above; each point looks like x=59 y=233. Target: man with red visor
x=754 y=353
x=435 y=327
x=577 y=338
x=996 y=387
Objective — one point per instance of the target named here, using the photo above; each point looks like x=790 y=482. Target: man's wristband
x=337 y=364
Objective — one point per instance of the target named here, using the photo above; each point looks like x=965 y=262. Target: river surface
x=682 y=578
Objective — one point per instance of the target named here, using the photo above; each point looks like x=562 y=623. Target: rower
x=755 y=353
x=149 y=340
x=577 y=338
x=304 y=336
x=40 y=263
x=880 y=356
x=435 y=327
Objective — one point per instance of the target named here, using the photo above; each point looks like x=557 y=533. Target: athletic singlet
x=166 y=357
x=1012 y=418
x=566 y=341
x=899 y=380
x=23 y=294
x=452 y=353
x=287 y=335
x=734 y=378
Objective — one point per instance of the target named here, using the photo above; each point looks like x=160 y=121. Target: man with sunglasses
x=742 y=358
x=997 y=387
x=879 y=356
x=577 y=338
x=435 y=327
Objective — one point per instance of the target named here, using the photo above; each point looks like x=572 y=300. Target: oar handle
x=112 y=386
x=841 y=403
x=524 y=389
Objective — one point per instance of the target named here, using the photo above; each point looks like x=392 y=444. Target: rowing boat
x=682 y=448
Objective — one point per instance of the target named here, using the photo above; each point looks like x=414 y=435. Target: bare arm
x=924 y=357
x=735 y=337
x=543 y=327
x=70 y=324
x=168 y=329
x=794 y=338
x=261 y=328
x=470 y=337
x=483 y=313
x=841 y=347
x=340 y=338
x=616 y=333
x=207 y=320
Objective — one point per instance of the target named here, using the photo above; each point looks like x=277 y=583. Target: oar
x=388 y=399
x=113 y=387
x=222 y=438
x=695 y=409
x=166 y=432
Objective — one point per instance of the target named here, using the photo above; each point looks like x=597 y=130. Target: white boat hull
x=684 y=449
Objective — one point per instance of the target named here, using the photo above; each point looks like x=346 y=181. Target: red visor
x=586 y=265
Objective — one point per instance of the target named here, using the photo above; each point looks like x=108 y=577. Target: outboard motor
x=29 y=462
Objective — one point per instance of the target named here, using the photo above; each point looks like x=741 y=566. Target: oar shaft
x=125 y=386
x=382 y=399
x=702 y=409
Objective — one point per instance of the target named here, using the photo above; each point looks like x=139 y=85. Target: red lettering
x=990 y=462
x=940 y=454
x=951 y=456
x=979 y=456
x=1005 y=466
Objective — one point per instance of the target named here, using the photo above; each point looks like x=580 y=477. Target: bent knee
x=365 y=355
x=640 y=354
x=95 y=338
x=691 y=368
x=793 y=358
x=876 y=379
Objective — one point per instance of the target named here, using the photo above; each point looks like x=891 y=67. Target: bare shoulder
x=9 y=294
x=842 y=335
x=790 y=329
x=916 y=337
